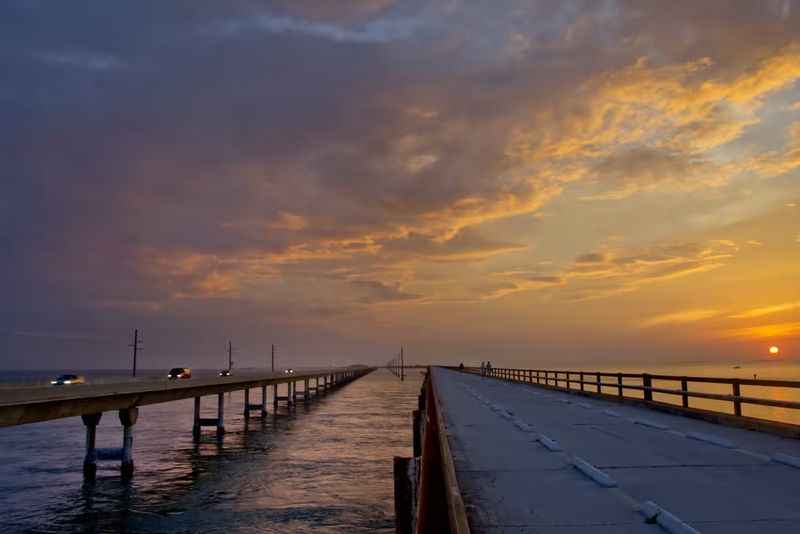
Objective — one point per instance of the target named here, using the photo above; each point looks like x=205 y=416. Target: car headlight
x=54 y=382
x=68 y=381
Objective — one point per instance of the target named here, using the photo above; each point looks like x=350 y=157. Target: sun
x=774 y=350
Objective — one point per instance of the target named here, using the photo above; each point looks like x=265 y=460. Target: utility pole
x=135 y=346
x=273 y=357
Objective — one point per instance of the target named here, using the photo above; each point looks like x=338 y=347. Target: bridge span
x=510 y=457
x=23 y=405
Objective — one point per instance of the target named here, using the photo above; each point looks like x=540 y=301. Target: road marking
x=522 y=425
x=653 y=513
x=787 y=459
x=550 y=444
x=710 y=438
x=647 y=422
x=594 y=473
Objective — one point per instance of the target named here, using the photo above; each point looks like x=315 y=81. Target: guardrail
x=621 y=385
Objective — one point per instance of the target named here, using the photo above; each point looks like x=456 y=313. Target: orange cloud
x=680 y=317
x=767 y=310
x=765 y=332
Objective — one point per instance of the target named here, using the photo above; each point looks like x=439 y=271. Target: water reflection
x=325 y=466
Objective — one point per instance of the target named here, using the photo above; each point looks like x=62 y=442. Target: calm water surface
x=326 y=467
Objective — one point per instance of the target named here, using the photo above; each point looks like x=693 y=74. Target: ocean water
x=325 y=467
x=775 y=369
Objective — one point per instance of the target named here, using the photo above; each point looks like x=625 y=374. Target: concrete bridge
x=24 y=405
x=505 y=454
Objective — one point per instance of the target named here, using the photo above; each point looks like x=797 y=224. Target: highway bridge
x=22 y=405
x=509 y=453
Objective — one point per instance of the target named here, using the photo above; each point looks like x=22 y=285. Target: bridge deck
x=713 y=478
x=20 y=405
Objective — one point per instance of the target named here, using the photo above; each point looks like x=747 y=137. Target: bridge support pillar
x=246 y=404
x=91 y=421
x=128 y=418
x=220 y=414
x=263 y=402
x=196 y=424
x=306 y=383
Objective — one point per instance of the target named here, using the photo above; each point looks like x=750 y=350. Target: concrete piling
x=196 y=425
x=263 y=402
x=220 y=415
x=128 y=418
x=91 y=421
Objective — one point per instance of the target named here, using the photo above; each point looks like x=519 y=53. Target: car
x=179 y=373
x=66 y=380
x=289 y=371
x=225 y=372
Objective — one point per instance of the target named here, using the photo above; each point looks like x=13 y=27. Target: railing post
x=619 y=385
x=647 y=383
x=567 y=379
x=599 y=384
x=685 y=390
x=737 y=404
x=581 y=380
x=538 y=377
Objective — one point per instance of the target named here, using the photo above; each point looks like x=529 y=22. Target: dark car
x=225 y=372
x=179 y=372
x=65 y=380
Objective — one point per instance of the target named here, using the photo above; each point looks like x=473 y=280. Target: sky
x=540 y=184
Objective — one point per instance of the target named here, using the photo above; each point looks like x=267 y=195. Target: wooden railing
x=622 y=384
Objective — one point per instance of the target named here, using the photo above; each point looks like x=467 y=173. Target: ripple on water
x=326 y=467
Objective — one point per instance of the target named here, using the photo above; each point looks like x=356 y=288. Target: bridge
x=23 y=405
x=522 y=451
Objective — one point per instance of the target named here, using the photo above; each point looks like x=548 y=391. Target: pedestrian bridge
x=510 y=456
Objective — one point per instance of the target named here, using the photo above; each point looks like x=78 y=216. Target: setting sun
x=774 y=350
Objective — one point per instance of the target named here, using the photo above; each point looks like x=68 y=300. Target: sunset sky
x=552 y=183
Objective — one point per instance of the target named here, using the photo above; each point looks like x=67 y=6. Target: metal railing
x=621 y=384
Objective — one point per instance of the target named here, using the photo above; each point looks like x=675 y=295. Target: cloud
x=81 y=59
x=617 y=271
x=375 y=31
x=766 y=310
x=381 y=293
x=261 y=159
x=680 y=317
x=649 y=170
x=763 y=332
x=776 y=163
